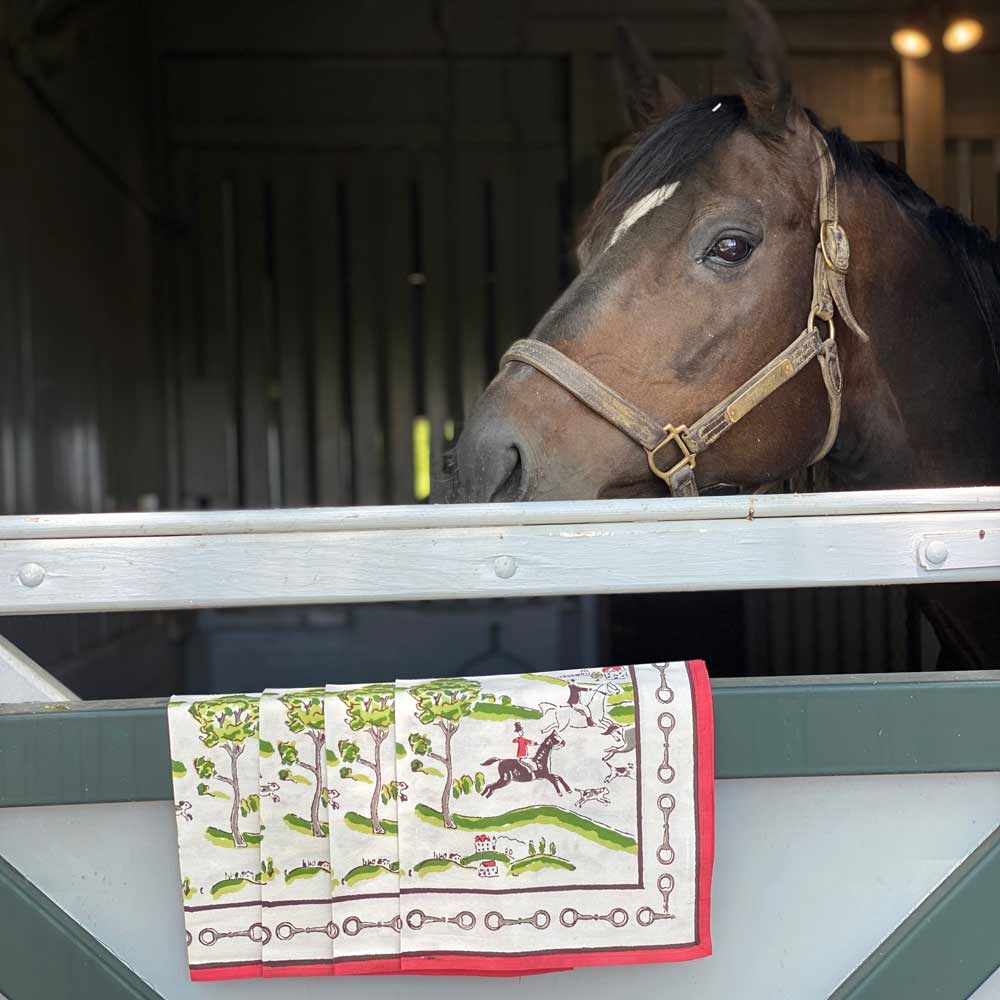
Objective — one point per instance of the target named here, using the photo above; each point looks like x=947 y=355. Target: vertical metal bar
x=328 y=333
x=364 y=230
x=437 y=281
x=290 y=282
x=253 y=330
x=471 y=277
x=397 y=266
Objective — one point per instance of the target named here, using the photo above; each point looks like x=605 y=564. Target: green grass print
x=303 y=871
x=495 y=712
x=223 y=839
x=433 y=866
x=300 y=825
x=364 y=825
x=362 y=873
x=526 y=815
x=228 y=886
x=474 y=859
x=539 y=861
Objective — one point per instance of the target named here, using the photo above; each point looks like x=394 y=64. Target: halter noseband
x=830 y=265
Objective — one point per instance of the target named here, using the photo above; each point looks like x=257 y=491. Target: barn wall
x=82 y=419
x=381 y=200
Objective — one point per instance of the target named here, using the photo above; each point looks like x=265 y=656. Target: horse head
x=696 y=274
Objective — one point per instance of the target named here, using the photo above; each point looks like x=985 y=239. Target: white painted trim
x=21 y=679
x=386 y=564
x=664 y=510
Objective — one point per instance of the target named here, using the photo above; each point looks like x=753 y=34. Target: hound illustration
x=183 y=810
x=510 y=769
x=619 y=772
x=592 y=795
x=584 y=707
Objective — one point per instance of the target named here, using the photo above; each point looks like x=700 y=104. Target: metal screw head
x=936 y=552
x=504 y=567
x=31 y=574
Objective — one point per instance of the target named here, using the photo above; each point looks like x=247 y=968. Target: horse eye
x=731 y=249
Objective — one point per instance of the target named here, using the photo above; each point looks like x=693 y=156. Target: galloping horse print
x=510 y=769
x=701 y=276
x=590 y=710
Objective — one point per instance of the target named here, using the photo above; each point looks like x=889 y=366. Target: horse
x=510 y=769
x=717 y=289
x=595 y=701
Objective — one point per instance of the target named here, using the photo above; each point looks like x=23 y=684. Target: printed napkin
x=364 y=788
x=214 y=758
x=502 y=825
x=297 y=888
x=556 y=820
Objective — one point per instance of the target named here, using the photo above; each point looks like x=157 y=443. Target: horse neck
x=921 y=401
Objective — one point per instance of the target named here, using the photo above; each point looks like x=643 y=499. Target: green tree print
x=226 y=722
x=370 y=710
x=443 y=703
x=304 y=714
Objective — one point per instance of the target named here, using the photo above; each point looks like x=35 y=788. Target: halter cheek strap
x=672 y=450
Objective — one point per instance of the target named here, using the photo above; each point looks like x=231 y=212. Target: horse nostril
x=511 y=486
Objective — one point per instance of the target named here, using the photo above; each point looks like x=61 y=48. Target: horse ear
x=761 y=65
x=647 y=96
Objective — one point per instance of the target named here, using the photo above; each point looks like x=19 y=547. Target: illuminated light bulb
x=911 y=43
x=962 y=34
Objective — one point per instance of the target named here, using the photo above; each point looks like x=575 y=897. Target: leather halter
x=830 y=266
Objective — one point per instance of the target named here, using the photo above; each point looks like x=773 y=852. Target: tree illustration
x=552 y=847
x=443 y=703
x=369 y=710
x=226 y=722
x=304 y=714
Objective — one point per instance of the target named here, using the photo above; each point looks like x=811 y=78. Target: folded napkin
x=296 y=896
x=364 y=789
x=501 y=825
x=215 y=764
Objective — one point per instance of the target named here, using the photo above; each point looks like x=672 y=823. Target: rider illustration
x=522 y=743
x=575 y=690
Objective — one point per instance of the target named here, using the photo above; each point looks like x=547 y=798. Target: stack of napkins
x=492 y=826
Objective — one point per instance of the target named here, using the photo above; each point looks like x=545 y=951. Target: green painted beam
x=46 y=954
x=776 y=727
x=948 y=947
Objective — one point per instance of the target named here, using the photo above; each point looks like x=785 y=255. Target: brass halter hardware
x=830 y=265
x=673 y=435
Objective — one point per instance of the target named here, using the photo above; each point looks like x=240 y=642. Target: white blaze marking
x=642 y=207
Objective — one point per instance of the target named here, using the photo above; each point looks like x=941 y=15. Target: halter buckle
x=673 y=435
x=834 y=245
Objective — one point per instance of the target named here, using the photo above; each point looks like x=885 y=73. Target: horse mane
x=673 y=147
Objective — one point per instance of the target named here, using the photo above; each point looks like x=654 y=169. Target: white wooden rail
x=107 y=562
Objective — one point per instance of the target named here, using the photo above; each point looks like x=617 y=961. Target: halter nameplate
x=832 y=259
x=776 y=377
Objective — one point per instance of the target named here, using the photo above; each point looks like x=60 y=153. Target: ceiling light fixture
x=962 y=34
x=911 y=42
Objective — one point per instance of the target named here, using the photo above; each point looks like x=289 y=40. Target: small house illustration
x=489 y=869
x=482 y=842
x=619 y=673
